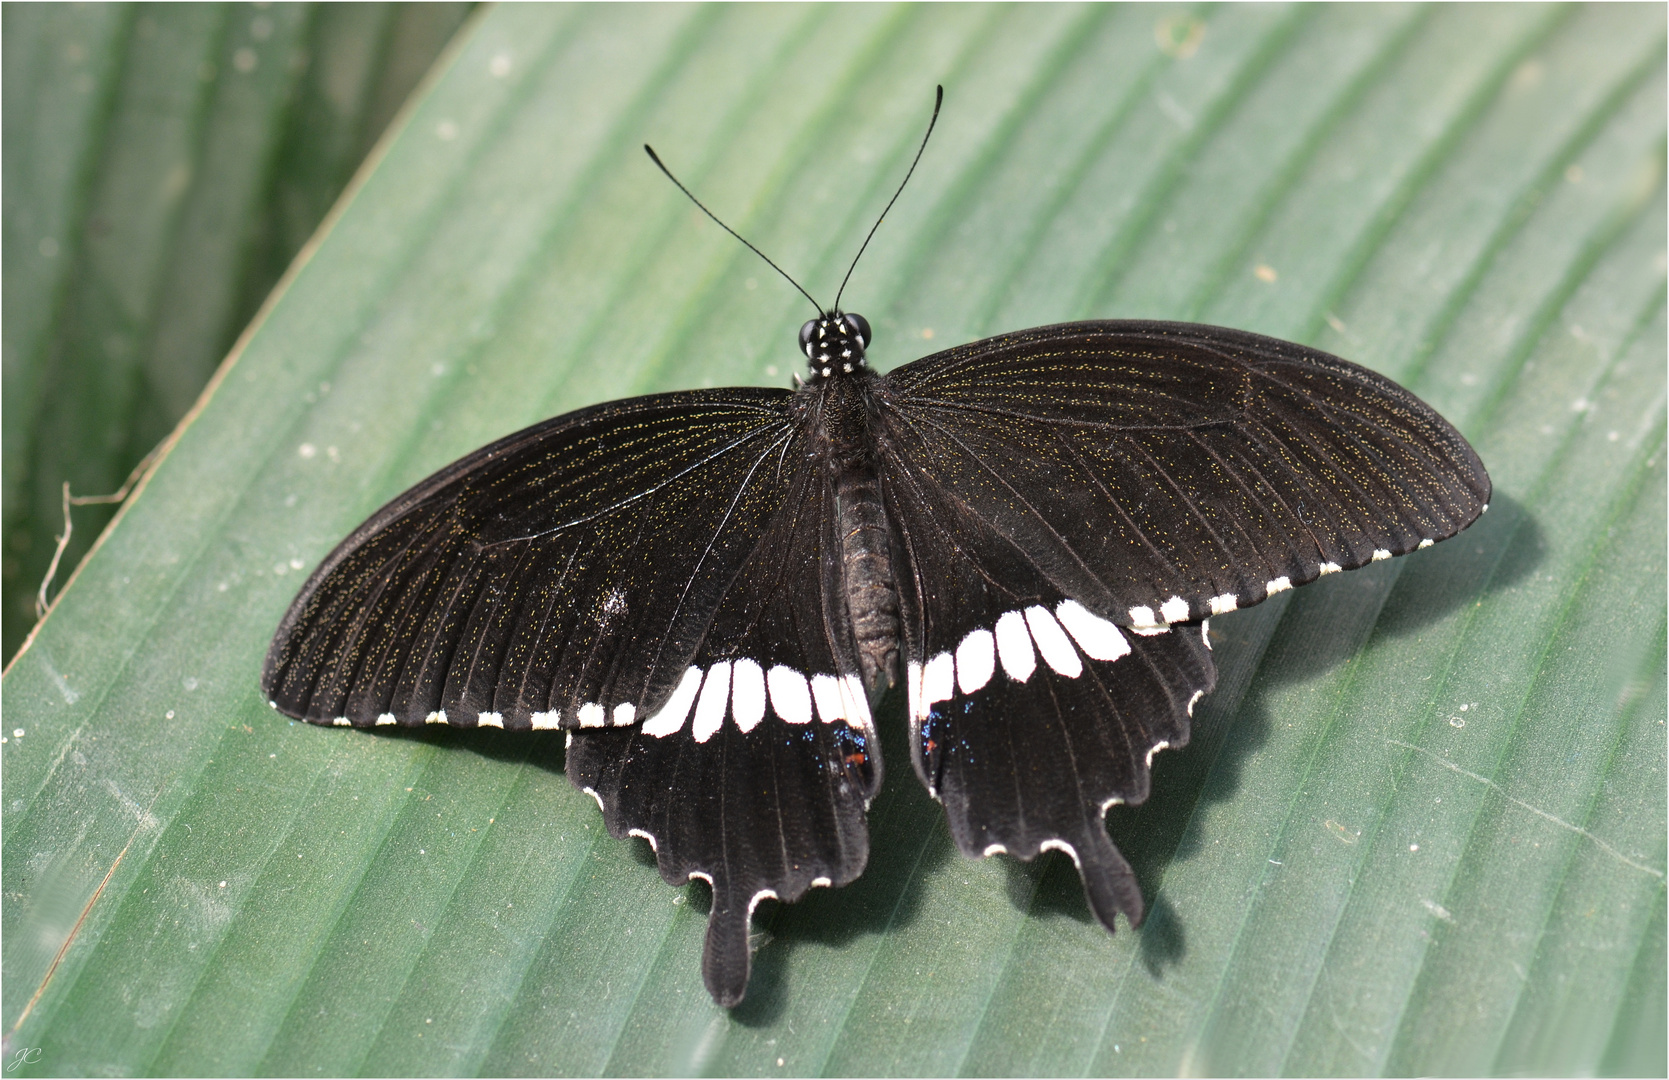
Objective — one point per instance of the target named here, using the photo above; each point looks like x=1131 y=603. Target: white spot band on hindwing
x=976 y=660
x=710 y=707
x=743 y=691
x=1014 y=646
x=1016 y=642
x=1053 y=643
x=790 y=694
x=1099 y=639
x=677 y=708
x=747 y=694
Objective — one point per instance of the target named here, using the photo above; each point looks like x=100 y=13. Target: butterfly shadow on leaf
x=541 y=749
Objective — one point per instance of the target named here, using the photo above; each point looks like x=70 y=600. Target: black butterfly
x=709 y=590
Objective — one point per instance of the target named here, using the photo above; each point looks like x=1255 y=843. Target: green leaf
x=163 y=165
x=1421 y=826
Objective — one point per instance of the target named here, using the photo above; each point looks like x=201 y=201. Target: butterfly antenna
x=938 y=100
x=650 y=150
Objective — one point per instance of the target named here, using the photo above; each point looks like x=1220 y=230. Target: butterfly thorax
x=866 y=581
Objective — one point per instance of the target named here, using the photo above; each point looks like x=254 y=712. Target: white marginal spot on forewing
x=1053 y=643
x=1330 y=568
x=747 y=694
x=436 y=717
x=1194 y=701
x=1099 y=639
x=938 y=681
x=825 y=691
x=1222 y=605
x=1380 y=555
x=342 y=721
x=653 y=845
x=546 y=721
x=624 y=714
x=1427 y=542
x=715 y=695
x=1141 y=616
x=976 y=659
x=592 y=715
x=385 y=719
x=790 y=694
x=1014 y=647
x=994 y=849
x=677 y=708
x=490 y=719
x=1280 y=584
x=1174 y=610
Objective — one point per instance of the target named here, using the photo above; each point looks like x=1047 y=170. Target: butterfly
x=711 y=590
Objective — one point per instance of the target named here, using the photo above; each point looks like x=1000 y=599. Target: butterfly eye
x=860 y=326
x=806 y=333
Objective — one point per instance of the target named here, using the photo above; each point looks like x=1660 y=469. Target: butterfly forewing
x=1164 y=472
x=562 y=576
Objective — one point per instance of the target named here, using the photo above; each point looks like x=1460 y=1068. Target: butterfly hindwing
x=756 y=774
x=1032 y=758
x=1029 y=713
x=769 y=812
x=563 y=576
x=1166 y=472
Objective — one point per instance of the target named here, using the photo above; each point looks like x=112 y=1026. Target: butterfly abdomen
x=869 y=583
x=871 y=593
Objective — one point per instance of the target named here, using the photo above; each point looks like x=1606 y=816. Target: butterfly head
x=834 y=343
